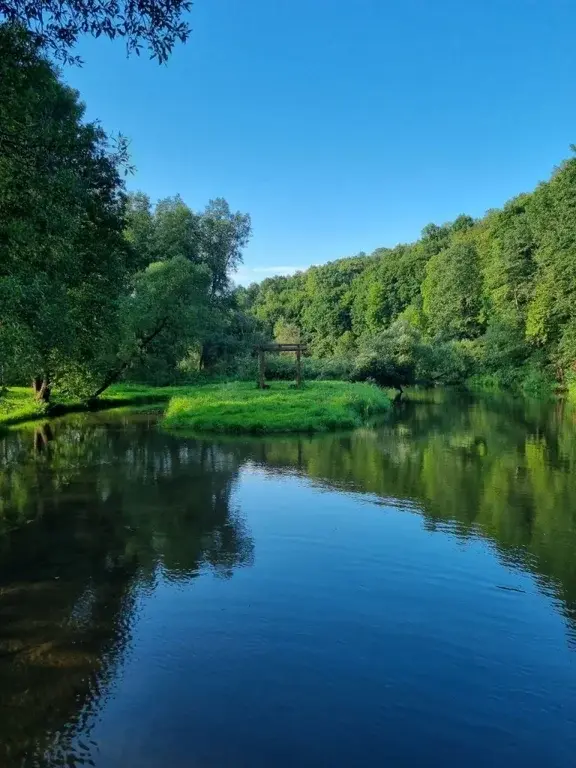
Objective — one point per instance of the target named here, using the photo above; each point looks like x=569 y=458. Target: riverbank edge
x=120 y=396
x=238 y=408
x=328 y=406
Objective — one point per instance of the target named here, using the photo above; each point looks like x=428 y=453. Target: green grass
x=238 y=407
x=235 y=407
x=18 y=405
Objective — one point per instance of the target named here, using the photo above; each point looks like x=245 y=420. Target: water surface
x=403 y=595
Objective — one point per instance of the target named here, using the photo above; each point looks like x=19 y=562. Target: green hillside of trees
x=491 y=298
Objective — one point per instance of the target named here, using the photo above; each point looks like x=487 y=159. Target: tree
x=390 y=357
x=64 y=262
x=57 y=25
x=327 y=315
x=212 y=241
x=494 y=296
x=509 y=264
x=166 y=308
x=451 y=291
x=222 y=237
x=552 y=215
x=174 y=231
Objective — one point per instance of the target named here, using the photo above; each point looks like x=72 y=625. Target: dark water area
x=402 y=595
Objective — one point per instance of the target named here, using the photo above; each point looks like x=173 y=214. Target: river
x=403 y=595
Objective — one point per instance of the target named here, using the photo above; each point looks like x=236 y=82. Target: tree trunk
x=298 y=369
x=115 y=374
x=41 y=387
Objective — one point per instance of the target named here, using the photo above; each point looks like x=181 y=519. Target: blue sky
x=342 y=125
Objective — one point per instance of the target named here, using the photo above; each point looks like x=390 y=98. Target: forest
x=100 y=285
x=488 y=301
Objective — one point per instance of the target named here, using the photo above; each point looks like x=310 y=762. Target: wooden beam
x=283 y=347
x=298 y=369
x=261 y=369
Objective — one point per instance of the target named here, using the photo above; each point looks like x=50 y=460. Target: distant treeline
x=491 y=298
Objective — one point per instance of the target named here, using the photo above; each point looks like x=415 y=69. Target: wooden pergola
x=263 y=348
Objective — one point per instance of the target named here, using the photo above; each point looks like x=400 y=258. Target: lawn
x=239 y=407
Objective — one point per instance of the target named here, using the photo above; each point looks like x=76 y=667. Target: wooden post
x=261 y=369
x=298 y=369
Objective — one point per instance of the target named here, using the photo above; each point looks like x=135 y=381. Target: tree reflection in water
x=489 y=466
x=95 y=509
x=91 y=515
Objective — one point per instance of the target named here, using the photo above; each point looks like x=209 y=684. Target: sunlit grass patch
x=238 y=407
x=18 y=404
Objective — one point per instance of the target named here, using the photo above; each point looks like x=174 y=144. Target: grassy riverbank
x=233 y=407
x=238 y=407
x=18 y=404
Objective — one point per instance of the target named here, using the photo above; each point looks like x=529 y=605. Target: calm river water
x=404 y=595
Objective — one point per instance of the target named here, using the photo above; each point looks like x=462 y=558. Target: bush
x=529 y=380
x=390 y=357
x=445 y=363
x=283 y=368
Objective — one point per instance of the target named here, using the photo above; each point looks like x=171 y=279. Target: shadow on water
x=95 y=509
x=93 y=512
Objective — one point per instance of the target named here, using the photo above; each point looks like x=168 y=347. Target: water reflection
x=488 y=466
x=93 y=509
x=96 y=510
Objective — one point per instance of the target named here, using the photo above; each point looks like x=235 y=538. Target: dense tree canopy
x=494 y=298
x=96 y=284
x=63 y=258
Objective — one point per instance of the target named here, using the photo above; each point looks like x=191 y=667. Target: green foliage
x=58 y=25
x=390 y=357
x=493 y=299
x=210 y=328
x=63 y=259
x=162 y=315
x=241 y=408
x=451 y=293
x=97 y=286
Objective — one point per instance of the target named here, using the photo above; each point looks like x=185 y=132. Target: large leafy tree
x=223 y=235
x=210 y=241
x=57 y=24
x=509 y=264
x=64 y=261
x=159 y=318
